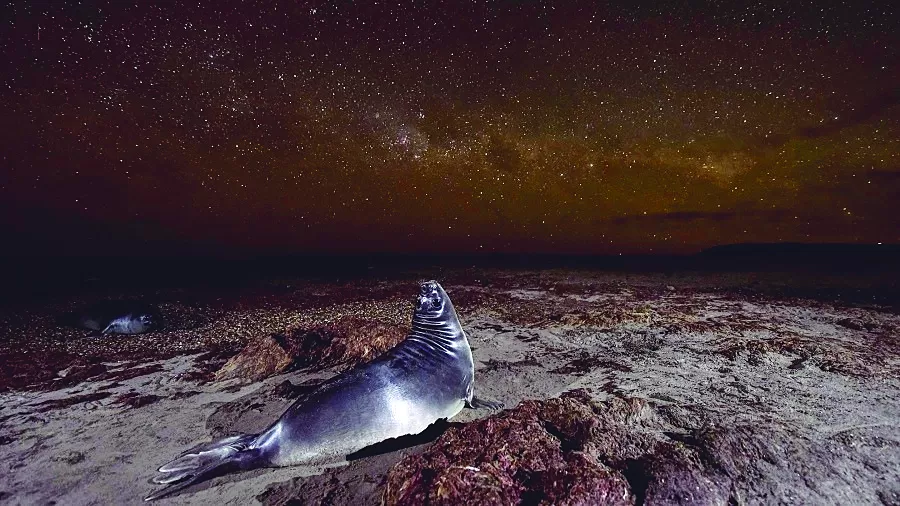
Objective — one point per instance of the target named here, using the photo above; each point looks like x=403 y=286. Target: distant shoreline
x=25 y=276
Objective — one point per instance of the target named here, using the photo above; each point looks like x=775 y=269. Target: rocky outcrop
x=343 y=343
x=261 y=358
x=571 y=450
x=535 y=454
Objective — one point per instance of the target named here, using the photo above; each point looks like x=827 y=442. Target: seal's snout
x=429 y=296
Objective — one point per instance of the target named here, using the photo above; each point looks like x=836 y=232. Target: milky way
x=450 y=126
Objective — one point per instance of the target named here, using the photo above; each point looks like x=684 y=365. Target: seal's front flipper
x=477 y=403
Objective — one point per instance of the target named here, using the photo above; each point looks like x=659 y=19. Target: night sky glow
x=456 y=126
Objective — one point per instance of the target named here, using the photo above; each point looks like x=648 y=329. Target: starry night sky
x=456 y=126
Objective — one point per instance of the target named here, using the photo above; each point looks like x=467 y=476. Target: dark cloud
x=883 y=105
x=871 y=109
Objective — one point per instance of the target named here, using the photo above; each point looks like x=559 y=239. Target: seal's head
x=432 y=300
x=148 y=320
x=132 y=323
x=434 y=309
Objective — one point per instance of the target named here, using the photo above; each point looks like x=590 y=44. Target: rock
x=260 y=359
x=346 y=342
x=572 y=450
x=343 y=343
x=532 y=454
x=670 y=288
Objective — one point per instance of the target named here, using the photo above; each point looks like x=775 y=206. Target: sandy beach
x=715 y=388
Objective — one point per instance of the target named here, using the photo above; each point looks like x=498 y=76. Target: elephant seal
x=427 y=377
x=116 y=317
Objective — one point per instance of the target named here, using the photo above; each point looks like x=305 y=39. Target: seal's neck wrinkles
x=445 y=321
x=436 y=327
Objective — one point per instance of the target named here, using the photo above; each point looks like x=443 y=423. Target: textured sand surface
x=87 y=419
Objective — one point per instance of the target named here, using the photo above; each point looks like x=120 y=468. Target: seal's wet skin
x=427 y=377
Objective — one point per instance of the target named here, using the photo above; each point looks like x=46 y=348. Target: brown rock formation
x=343 y=343
x=533 y=454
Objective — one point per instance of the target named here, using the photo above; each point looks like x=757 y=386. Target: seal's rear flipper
x=477 y=403
x=207 y=461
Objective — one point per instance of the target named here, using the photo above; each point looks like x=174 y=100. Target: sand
x=822 y=374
